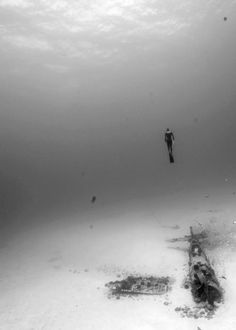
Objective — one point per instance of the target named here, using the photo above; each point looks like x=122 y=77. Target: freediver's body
x=169 y=139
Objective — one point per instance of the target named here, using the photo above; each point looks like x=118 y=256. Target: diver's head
x=167 y=130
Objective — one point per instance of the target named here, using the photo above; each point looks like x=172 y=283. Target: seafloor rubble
x=196 y=312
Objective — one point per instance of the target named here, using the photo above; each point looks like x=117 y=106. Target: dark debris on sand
x=93 y=200
x=138 y=285
x=195 y=312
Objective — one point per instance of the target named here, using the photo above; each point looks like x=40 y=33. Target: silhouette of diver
x=169 y=139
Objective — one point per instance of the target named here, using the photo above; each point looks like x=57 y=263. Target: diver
x=169 y=139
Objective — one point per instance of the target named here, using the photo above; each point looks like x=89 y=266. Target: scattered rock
x=75 y=271
x=178 y=309
x=195 y=312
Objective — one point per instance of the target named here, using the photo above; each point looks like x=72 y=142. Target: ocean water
x=87 y=91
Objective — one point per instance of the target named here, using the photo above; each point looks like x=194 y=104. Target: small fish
x=93 y=199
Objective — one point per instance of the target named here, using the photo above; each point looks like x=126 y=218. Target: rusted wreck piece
x=140 y=285
x=204 y=285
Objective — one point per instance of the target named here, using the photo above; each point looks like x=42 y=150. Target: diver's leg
x=169 y=146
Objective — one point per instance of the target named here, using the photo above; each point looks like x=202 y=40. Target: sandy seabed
x=53 y=276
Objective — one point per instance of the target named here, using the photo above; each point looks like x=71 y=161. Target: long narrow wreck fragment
x=204 y=284
x=134 y=285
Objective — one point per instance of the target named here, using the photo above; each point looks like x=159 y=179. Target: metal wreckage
x=204 y=283
x=201 y=278
x=136 y=285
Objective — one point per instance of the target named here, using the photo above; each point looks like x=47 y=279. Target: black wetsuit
x=169 y=138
